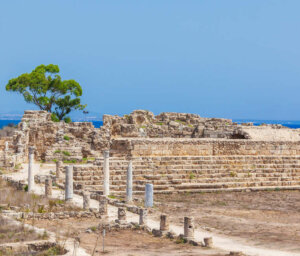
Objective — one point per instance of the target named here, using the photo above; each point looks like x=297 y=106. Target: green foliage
x=192 y=176
x=94 y=229
x=54 y=117
x=233 y=174
x=54 y=160
x=66 y=153
x=26 y=188
x=41 y=209
x=45 y=88
x=70 y=161
x=57 y=151
x=181 y=240
x=66 y=137
x=67 y=120
x=160 y=123
x=181 y=122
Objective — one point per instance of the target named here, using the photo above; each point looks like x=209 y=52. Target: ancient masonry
x=174 y=152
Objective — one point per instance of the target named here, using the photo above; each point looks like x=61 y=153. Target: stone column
x=164 y=222
x=106 y=173
x=30 y=169
x=149 y=195
x=6 y=146
x=86 y=200
x=142 y=216
x=58 y=169
x=48 y=187
x=103 y=205
x=188 y=228
x=121 y=215
x=69 y=183
x=129 y=183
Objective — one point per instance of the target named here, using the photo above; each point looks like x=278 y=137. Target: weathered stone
x=48 y=187
x=86 y=200
x=103 y=205
x=188 y=228
x=69 y=183
x=142 y=216
x=164 y=222
x=149 y=195
x=208 y=242
x=30 y=169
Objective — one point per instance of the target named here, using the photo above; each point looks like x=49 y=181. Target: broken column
x=103 y=205
x=208 y=242
x=106 y=173
x=69 y=183
x=149 y=195
x=121 y=215
x=142 y=216
x=129 y=183
x=48 y=187
x=58 y=169
x=86 y=200
x=188 y=228
x=30 y=169
x=164 y=222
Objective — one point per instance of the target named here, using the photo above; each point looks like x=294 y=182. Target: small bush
x=192 y=176
x=67 y=120
x=57 y=151
x=160 y=123
x=26 y=188
x=54 y=160
x=66 y=137
x=233 y=174
x=54 y=118
x=66 y=153
x=69 y=161
x=181 y=240
x=94 y=228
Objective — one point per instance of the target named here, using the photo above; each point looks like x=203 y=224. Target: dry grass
x=31 y=202
x=10 y=233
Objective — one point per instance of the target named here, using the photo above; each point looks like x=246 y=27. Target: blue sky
x=232 y=59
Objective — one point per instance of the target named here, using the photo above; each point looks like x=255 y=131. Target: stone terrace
x=195 y=173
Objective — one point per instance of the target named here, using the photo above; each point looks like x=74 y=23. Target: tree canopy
x=45 y=88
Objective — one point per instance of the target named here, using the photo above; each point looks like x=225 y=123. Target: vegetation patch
x=66 y=153
x=66 y=137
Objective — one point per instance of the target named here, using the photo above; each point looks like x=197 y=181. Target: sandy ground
x=123 y=242
x=269 y=219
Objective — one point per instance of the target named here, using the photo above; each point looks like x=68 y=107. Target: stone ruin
x=173 y=151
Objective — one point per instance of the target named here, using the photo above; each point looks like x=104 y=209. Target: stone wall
x=201 y=147
x=142 y=123
x=58 y=140
x=166 y=133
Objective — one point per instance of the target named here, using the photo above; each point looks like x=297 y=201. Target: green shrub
x=67 y=120
x=66 y=137
x=66 y=153
x=160 y=123
x=54 y=118
x=26 y=188
x=57 y=151
x=69 y=161
x=192 y=176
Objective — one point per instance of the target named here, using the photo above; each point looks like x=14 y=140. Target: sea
x=290 y=124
